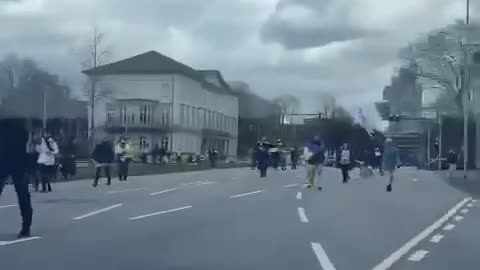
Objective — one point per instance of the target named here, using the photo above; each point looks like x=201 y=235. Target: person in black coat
x=68 y=152
x=13 y=163
x=263 y=157
x=103 y=157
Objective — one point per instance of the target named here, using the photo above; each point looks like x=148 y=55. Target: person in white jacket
x=47 y=150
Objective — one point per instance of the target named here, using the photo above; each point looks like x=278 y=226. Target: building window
x=187 y=113
x=142 y=142
x=194 y=117
x=123 y=114
x=209 y=119
x=143 y=114
x=182 y=114
x=205 y=118
x=109 y=116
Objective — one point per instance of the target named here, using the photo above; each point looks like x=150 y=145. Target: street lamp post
x=44 y=116
x=465 y=97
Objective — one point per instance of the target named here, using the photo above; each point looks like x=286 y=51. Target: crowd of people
x=274 y=155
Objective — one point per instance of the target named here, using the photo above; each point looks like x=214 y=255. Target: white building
x=153 y=99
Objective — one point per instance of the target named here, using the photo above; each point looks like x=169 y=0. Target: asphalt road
x=232 y=219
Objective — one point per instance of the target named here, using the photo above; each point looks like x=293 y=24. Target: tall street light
x=465 y=90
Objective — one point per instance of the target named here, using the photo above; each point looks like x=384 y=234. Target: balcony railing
x=117 y=124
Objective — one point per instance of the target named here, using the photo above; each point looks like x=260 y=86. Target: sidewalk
x=138 y=169
x=471 y=185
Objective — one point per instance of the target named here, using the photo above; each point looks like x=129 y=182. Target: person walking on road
x=314 y=153
x=13 y=162
x=391 y=161
x=47 y=151
x=452 y=162
x=103 y=157
x=294 y=157
x=344 y=161
x=377 y=160
x=68 y=152
x=122 y=151
x=263 y=157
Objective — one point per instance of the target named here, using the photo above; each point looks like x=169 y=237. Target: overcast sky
x=304 y=47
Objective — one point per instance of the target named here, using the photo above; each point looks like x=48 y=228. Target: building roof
x=216 y=74
x=153 y=62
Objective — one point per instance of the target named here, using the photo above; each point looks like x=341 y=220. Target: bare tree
x=328 y=102
x=95 y=56
x=288 y=105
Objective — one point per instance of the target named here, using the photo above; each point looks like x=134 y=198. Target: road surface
x=232 y=219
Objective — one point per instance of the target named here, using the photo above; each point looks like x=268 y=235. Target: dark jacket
x=103 y=153
x=13 y=146
x=262 y=155
x=451 y=158
x=318 y=153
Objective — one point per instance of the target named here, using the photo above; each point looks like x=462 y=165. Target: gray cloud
x=305 y=47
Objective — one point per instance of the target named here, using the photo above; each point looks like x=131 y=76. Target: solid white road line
x=458 y=218
x=322 y=257
x=7 y=206
x=246 y=194
x=436 y=238
x=302 y=215
x=448 y=227
x=98 y=211
x=124 y=191
x=397 y=255
x=160 y=213
x=464 y=211
x=6 y=243
x=163 y=191
x=418 y=255
x=299 y=195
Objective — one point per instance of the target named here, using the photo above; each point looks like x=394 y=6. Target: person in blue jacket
x=391 y=161
x=314 y=154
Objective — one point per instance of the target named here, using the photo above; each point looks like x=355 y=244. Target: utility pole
x=440 y=124
x=44 y=118
x=465 y=93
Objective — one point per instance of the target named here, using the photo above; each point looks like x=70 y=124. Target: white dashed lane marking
x=292 y=185
x=124 y=191
x=98 y=211
x=302 y=215
x=163 y=191
x=161 y=213
x=405 y=249
x=469 y=205
x=246 y=194
x=464 y=211
x=7 y=206
x=418 y=255
x=458 y=218
x=299 y=195
x=6 y=243
x=448 y=227
x=322 y=257
x=436 y=238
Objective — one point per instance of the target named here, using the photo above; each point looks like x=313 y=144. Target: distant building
x=258 y=117
x=157 y=100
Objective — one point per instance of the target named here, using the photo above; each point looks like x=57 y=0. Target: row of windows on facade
x=198 y=117
x=145 y=115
